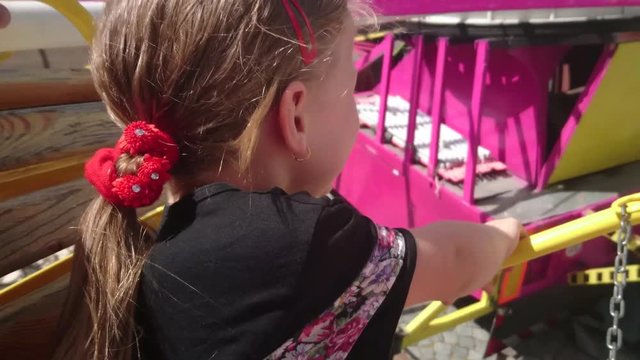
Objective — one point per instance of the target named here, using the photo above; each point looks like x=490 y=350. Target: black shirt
x=235 y=275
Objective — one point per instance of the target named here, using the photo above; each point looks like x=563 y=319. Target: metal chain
x=616 y=304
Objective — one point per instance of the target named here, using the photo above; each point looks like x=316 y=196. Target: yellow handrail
x=76 y=14
x=575 y=232
x=537 y=245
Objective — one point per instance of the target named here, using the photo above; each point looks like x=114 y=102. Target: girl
x=246 y=109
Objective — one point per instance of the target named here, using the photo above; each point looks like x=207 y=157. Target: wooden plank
x=33 y=136
x=60 y=59
x=41 y=223
x=24 y=89
x=27 y=327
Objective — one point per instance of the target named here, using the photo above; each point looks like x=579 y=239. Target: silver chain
x=616 y=304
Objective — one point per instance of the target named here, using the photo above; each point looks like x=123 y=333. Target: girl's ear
x=292 y=117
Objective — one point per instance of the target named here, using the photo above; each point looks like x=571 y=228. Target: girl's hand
x=456 y=258
x=514 y=231
x=510 y=227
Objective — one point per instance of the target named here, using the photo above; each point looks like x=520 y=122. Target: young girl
x=245 y=109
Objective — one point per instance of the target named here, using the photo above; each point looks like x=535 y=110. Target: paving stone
x=424 y=353
x=465 y=329
x=459 y=353
x=402 y=356
x=480 y=334
x=443 y=348
x=474 y=355
x=479 y=345
x=466 y=342
x=510 y=352
x=450 y=337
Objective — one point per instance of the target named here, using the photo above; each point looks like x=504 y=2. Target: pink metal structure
x=505 y=92
x=414 y=7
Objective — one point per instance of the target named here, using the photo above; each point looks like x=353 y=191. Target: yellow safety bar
x=575 y=232
x=36 y=280
x=634 y=243
x=79 y=17
x=538 y=245
x=5 y=55
x=76 y=14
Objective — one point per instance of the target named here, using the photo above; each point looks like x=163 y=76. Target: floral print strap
x=332 y=335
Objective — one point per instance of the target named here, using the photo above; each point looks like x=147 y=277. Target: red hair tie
x=309 y=52
x=159 y=154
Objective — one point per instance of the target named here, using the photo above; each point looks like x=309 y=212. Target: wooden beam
x=32 y=88
x=41 y=223
x=27 y=326
x=34 y=136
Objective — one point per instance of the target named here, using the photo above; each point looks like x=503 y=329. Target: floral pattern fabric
x=332 y=335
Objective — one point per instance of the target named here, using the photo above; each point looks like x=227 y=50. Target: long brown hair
x=208 y=72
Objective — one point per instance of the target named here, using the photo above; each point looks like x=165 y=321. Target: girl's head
x=228 y=80
x=231 y=81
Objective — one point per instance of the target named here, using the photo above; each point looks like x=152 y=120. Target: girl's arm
x=455 y=258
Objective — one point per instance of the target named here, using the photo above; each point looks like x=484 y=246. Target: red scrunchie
x=159 y=154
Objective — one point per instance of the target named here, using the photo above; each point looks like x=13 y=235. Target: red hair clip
x=159 y=154
x=309 y=51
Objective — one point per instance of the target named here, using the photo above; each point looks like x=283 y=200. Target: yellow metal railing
x=537 y=245
x=76 y=14
x=79 y=17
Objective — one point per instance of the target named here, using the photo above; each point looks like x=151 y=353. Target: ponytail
x=98 y=321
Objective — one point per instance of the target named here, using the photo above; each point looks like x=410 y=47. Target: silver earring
x=305 y=158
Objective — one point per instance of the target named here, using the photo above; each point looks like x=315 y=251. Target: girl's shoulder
x=269 y=229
